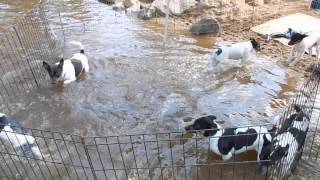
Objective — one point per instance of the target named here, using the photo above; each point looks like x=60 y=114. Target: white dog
x=303 y=43
x=12 y=133
x=68 y=70
x=238 y=51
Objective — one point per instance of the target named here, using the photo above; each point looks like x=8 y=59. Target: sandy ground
x=235 y=26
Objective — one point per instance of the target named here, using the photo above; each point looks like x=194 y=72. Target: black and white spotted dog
x=68 y=70
x=229 y=141
x=237 y=51
x=11 y=132
x=303 y=43
x=292 y=135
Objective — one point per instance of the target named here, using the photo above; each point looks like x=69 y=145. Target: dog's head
x=278 y=153
x=204 y=123
x=255 y=44
x=296 y=38
x=55 y=71
x=218 y=52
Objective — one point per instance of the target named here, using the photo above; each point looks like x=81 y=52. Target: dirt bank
x=236 y=27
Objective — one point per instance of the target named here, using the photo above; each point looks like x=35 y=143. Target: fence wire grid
x=23 y=48
x=172 y=155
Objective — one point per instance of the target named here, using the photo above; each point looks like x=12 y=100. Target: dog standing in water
x=237 y=51
x=68 y=70
x=11 y=132
x=231 y=141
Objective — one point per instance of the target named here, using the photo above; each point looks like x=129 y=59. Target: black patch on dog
x=227 y=141
x=2 y=122
x=255 y=44
x=204 y=123
x=298 y=116
x=82 y=51
x=278 y=153
x=219 y=51
x=77 y=67
x=244 y=139
x=230 y=140
x=296 y=38
x=299 y=135
x=266 y=149
x=14 y=124
x=54 y=71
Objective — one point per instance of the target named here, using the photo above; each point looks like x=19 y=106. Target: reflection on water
x=137 y=86
x=10 y=10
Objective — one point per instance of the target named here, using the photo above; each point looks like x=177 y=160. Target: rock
x=109 y=2
x=147 y=1
x=176 y=7
x=141 y=11
x=146 y=14
x=129 y=3
x=143 y=15
x=118 y=6
x=205 y=26
x=135 y=9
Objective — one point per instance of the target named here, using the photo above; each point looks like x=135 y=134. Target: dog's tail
x=78 y=44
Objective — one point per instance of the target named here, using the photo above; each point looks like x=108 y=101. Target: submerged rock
x=109 y=2
x=205 y=26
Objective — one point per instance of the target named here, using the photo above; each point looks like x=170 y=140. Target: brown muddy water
x=136 y=86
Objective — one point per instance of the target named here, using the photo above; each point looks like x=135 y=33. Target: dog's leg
x=68 y=81
x=227 y=157
x=291 y=56
x=317 y=54
x=299 y=56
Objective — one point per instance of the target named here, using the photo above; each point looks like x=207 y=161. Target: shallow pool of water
x=135 y=85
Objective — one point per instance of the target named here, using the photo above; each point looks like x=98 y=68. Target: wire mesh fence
x=172 y=155
x=23 y=48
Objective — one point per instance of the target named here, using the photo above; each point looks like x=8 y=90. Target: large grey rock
x=205 y=26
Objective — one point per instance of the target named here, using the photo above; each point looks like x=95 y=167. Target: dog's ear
x=46 y=66
x=61 y=63
x=297 y=108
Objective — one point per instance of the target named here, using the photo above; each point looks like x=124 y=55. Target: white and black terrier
x=237 y=51
x=68 y=70
x=229 y=141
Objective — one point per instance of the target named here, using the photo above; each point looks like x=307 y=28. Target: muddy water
x=135 y=85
